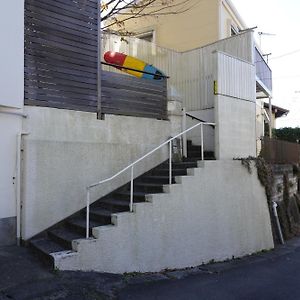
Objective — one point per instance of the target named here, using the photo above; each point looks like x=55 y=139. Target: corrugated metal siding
x=166 y=60
x=236 y=78
x=199 y=68
x=191 y=72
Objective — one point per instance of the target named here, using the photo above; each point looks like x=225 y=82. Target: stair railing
x=131 y=167
x=184 y=121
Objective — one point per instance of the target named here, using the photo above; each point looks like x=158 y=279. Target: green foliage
x=264 y=172
x=288 y=134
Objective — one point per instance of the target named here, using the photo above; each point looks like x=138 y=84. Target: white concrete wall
x=10 y=127
x=235 y=107
x=219 y=212
x=68 y=150
x=11 y=101
x=12 y=53
x=235 y=130
x=207 y=115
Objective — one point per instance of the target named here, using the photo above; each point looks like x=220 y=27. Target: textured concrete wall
x=218 y=212
x=235 y=131
x=12 y=53
x=10 y=127
x=11 y=100
x=68 y=150
x=207 y=115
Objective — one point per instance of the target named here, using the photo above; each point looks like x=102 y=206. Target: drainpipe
x=274 y=205
x=18 y=183
x=184 y=139
x=271 y=117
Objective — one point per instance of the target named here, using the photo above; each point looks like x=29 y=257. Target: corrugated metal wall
x=191 y=72
x=236 y=78
x=199 y=67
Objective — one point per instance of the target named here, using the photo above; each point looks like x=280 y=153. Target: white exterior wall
x=11 y=101
x=235 y=108
x=67 y=150
x=207 y=115
x=12 y=53
x=199 y=66
x=219 y=212
x=191 y=72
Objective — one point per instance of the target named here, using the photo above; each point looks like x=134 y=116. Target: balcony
x=263 y=74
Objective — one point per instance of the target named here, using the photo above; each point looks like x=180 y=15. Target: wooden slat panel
x=38 y=16
x=63 y=10
x=44 y=25
x=38 y=84
x=127 y=95
x=60 y=40
x=62 y=64
x=62 y=105
x=68 y=6
x=58 y=61
x=129 y=81
x=67 y=100
x=60 y=46
x=57 y=80
x=65 y=55
x=60 y=69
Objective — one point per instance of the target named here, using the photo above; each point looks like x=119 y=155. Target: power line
x=285 y=54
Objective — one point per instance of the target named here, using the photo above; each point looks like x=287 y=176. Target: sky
x=281 y=18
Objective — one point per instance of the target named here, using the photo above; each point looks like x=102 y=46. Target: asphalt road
x=272 y=275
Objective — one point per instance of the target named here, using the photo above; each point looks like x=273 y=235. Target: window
x=147 y=36
x=234 y=30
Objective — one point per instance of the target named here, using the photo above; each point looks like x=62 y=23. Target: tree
x=114 y=13
x=288 y=134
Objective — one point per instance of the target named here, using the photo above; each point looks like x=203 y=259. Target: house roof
x=277 y=110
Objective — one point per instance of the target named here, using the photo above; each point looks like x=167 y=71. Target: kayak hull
x=123 y=60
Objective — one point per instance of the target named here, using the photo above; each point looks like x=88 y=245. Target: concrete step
x=78 y=224
x=156 y=179
x=137 y=196
x=64 y=236
x=148 y=187
x=165 y=172
x=181 y=165
x=60 y=238
x=43 y=247
x=113 y=204
x=100 y=214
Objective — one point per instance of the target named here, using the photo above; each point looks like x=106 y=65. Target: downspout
x=18 y=181
x=271 y=118
x=274 y=205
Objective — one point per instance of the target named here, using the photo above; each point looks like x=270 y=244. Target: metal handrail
x=195 y=118
x=131 y=166
x=135 y=70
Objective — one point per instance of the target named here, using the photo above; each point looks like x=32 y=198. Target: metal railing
x=131 y=167
x=263 y=71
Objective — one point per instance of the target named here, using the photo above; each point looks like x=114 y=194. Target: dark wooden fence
x=61 y=53
x=280 y=152
x=131 y=96
x=63 y=64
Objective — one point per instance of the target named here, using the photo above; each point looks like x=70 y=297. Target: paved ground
x=272 y=275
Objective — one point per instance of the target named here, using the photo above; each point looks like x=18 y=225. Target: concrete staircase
x=61 y=236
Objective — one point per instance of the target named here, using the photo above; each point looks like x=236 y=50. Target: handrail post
x=202 y=146
x=184 y=140
x=131 y=191
x=170 y=162
x=87 y=212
